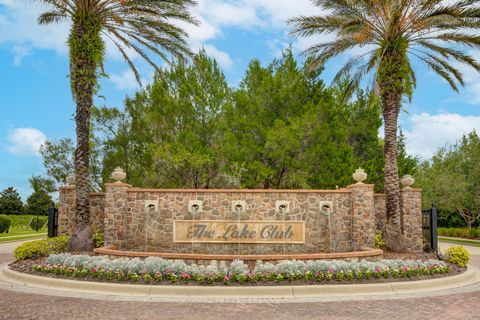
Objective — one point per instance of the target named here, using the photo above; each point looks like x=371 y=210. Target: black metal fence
x=52 y=222
x=429 y=226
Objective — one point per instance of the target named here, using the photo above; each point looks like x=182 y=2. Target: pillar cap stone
x=71 y=179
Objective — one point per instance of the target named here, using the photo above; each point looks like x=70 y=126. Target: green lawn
x=20 y=226
x=39 y=235
x=460 y=241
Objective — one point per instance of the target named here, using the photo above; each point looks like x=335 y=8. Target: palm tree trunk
x=391 y=101
x=83 y=78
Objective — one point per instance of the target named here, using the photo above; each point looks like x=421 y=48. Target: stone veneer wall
x=358 y=215
x=155 y=232
x=66 y=211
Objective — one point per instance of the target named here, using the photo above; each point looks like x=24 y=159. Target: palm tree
x=395 y=31
x=135 y=25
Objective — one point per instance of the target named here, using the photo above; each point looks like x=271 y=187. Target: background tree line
x=283 y=127
x=37 y=202
x=451 y=181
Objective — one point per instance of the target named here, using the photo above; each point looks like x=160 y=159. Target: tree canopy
x=451 y=180
x=10 y=202
x=281 y=128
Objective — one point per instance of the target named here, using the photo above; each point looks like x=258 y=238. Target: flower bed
x=158 y=270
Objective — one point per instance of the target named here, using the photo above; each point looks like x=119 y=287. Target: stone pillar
x=66 y=210
x=115 y=213
x=363 y=216
x=411 y=210
x=97 y=211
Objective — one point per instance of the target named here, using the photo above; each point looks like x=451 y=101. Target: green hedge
x=5 y=223
x=459 y=233
x=41 y=248
x=37 y=223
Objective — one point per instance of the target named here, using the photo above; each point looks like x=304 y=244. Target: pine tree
x=10 y=202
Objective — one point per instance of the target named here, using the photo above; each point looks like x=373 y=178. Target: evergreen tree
x=38 y=203
x=170 y=134
x=10 y=202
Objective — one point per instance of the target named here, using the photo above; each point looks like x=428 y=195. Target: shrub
x=457 y=255
x=98 y=239
x=4 y=224
x=474 y=233
x=41 y=248
x=38 y=223
x=379 y=241
x=459 y=232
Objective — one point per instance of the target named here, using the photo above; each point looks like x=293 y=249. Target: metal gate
x=52 y=222
x=429 y=226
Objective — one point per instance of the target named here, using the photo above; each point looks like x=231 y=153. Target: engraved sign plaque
x=221 y=231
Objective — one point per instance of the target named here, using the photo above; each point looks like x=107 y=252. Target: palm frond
x=432 y=31
x=141 y=25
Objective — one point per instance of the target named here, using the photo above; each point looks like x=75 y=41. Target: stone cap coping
x=361 y=185
x=117 y=184
x=343 y=190
x=97 y=194
x=364 y=253
x=67 y=188
x=410 y=190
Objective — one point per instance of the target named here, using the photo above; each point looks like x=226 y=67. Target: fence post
x=433 y=229
x=52 y=222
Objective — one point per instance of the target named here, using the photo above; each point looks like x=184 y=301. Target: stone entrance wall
x=358 y=214
x=66 y=211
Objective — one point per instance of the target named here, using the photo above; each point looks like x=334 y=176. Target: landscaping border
x=469 y=277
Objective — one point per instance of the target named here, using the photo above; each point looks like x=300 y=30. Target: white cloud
x=25 y=141
x=223 y=13
x=19 y=52
x=472 y=79
x=429 y=132
x=221 y=56
x=278 y=12
x=19 y=26
x=125 y=80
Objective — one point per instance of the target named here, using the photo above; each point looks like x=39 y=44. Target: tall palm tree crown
x=435 y=32
x=132 y=25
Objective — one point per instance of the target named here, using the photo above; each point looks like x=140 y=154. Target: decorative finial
x=360 y=175
x=118 y=175
x=71 y=180
x=406 y=181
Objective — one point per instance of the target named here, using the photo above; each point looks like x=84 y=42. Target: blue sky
x=35 y=100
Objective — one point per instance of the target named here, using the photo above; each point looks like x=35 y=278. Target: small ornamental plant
x=457 y=255
x=158 y=270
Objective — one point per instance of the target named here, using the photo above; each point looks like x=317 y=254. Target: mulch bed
x=25 y=266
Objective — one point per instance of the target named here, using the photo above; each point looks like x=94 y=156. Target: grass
x=21 y=227
x=474 y=243
x=24 y=237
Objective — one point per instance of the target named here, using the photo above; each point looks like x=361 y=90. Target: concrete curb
x=471 y=276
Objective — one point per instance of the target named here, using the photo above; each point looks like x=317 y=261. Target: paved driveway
x=6 y=249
